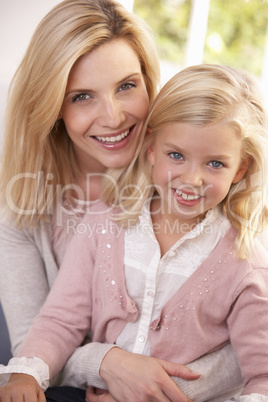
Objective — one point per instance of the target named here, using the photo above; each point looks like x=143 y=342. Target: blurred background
x=187 y=32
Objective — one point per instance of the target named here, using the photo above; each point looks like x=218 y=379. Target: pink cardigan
x=226 y=299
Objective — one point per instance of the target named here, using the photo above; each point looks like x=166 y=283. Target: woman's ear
x=150 y=155
x=242 y=170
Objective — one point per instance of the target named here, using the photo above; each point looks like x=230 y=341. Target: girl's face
x=194 y=167
x=105 y=105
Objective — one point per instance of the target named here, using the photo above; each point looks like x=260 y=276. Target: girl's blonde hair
x=37 y=153
x=203 y=95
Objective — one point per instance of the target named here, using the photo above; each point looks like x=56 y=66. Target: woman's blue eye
x=80 y=98
x=216 y=164
x=175 y=155
x=127 y=86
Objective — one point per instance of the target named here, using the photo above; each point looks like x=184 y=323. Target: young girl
x=176 y=270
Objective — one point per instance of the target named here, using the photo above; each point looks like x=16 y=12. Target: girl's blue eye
x=216 y=164
x=80 y=98
x=175 y=155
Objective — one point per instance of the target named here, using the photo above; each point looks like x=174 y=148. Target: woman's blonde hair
x=203 y=95
x=37 y=153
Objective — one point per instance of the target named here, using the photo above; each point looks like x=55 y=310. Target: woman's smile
x=105 y=106
x=114 y=141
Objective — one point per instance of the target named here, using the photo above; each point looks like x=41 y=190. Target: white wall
x=18 y=20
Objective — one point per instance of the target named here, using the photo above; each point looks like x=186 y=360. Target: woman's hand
x=133 y=377
x=22 y=388
x=98 y=395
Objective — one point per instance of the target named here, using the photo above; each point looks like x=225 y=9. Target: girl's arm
x=248 y=324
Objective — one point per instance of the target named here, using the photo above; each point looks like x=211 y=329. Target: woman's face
x=105 y=105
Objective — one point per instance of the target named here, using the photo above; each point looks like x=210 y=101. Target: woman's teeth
x=189 y=197
x=117 y=138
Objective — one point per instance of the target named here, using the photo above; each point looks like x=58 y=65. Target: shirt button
x=142 y=339
x=150 y=294
x=171 y=253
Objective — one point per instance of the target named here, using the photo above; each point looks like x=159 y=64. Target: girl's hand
x=133 y=377
x=22 y=388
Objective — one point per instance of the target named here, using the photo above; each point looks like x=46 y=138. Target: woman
x=76 y=107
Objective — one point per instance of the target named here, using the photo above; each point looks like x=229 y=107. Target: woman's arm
x=220 y=377
x=23 y=281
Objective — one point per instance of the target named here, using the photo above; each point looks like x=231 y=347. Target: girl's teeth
x=188 y=197
x=117 y=138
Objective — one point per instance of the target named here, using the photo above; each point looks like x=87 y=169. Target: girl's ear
x=242 y=170
x=150 y=155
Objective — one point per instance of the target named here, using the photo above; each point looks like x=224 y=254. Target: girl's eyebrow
x=124 y=79
x=220 y=157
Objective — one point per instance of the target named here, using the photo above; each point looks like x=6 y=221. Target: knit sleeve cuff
x=82 y=368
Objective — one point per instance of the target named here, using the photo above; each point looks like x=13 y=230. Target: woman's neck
x=89 y=186
x=89 y=178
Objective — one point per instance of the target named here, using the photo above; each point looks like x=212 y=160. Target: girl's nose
x=192 y=176
x=111 y=113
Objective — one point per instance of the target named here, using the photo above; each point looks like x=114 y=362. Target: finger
x=8 y=397
x=179 y=370
x=91 y=397
x=41 y=397
x=173 y=393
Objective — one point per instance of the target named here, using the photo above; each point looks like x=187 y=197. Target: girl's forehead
x=188 y=136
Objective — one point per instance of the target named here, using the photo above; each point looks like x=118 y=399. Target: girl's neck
x=168 y=230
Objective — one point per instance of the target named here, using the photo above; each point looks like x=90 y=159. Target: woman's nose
x=111 y=113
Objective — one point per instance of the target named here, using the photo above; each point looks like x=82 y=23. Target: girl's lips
x=186 y=199
x=187 y=196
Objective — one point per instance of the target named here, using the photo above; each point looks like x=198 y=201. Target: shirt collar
x=145 y=221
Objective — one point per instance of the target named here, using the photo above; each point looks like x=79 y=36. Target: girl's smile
x=194 y=168
x=186 y=198
x=105 y=106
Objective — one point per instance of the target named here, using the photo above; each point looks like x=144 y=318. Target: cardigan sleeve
x=248 y=326
x=65 y=318
x=24 y=287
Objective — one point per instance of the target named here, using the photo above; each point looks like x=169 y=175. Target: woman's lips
x=115 y=142
x=113 y=139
